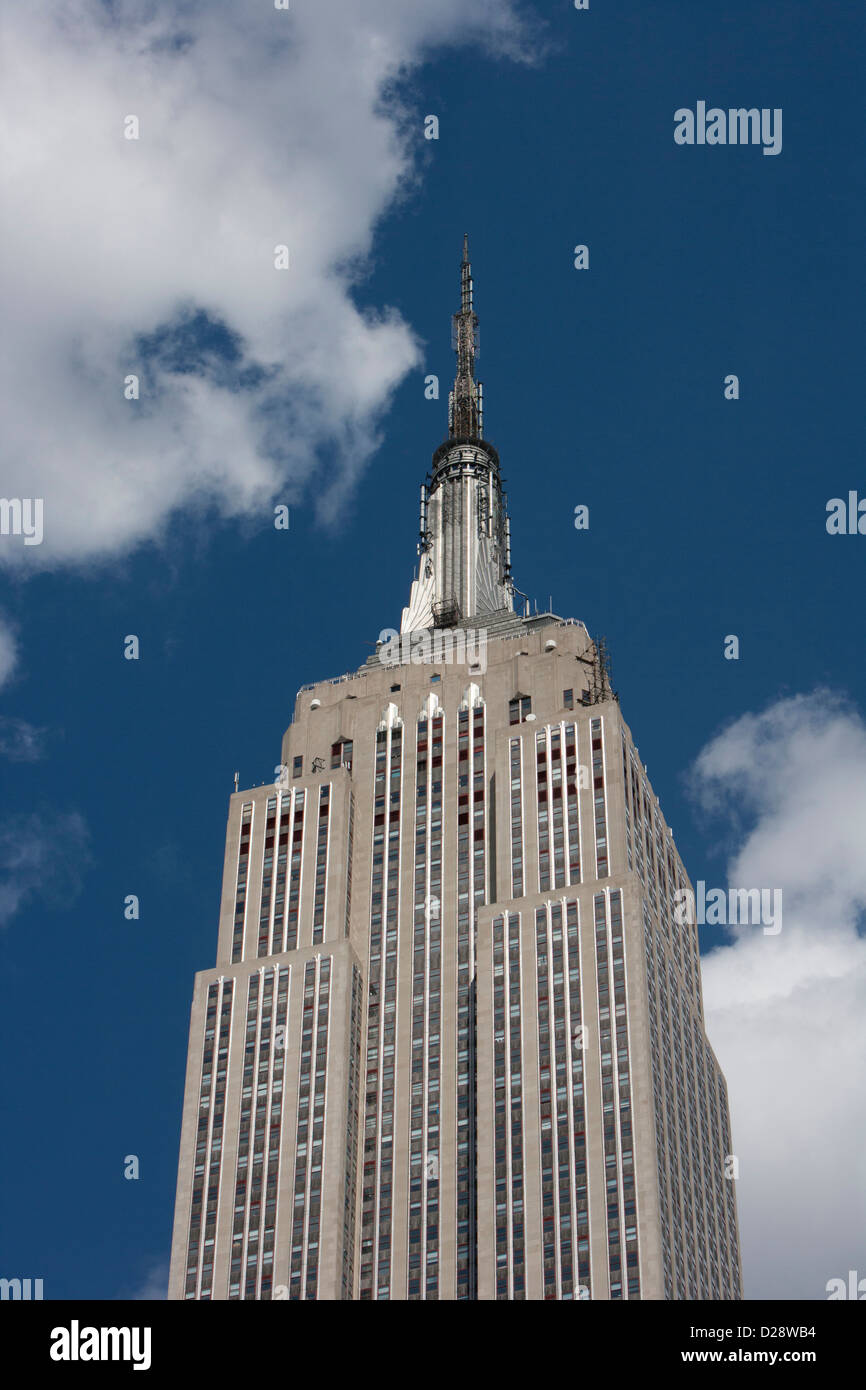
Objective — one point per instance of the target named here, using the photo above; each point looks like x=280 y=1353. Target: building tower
x=453 y=1046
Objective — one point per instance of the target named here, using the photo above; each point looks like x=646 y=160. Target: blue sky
x=604 y=387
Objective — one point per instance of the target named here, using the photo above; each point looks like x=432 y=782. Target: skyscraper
x=453 y=1046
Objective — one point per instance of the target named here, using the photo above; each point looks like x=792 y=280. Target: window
x=568 y=699
x=341 y=753
x=519 y=708
x=297 y=766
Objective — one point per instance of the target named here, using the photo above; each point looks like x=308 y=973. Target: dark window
x=518 y=708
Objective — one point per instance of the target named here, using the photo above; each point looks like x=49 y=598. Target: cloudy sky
x=157 y=157
x=787 y=1011
x=155 y=258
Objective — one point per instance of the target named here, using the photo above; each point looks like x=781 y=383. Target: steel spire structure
x=465 y=401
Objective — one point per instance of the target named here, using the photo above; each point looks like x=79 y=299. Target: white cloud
x=20 y=742
x=155 y=1284
x=787 y=1014
x=8 y=652
x=258 y=127
x=41 y=858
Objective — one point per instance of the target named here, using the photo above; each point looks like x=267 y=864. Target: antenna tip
x=465 y=247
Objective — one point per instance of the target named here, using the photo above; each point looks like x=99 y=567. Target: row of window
x=259 y=1132
x=209 y=1135
x=565 y=1200
x=376 y=1208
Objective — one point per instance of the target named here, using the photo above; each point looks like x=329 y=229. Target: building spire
x=465 y=407
x=465 y=538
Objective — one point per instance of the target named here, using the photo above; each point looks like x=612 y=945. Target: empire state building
x=453 y=1046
